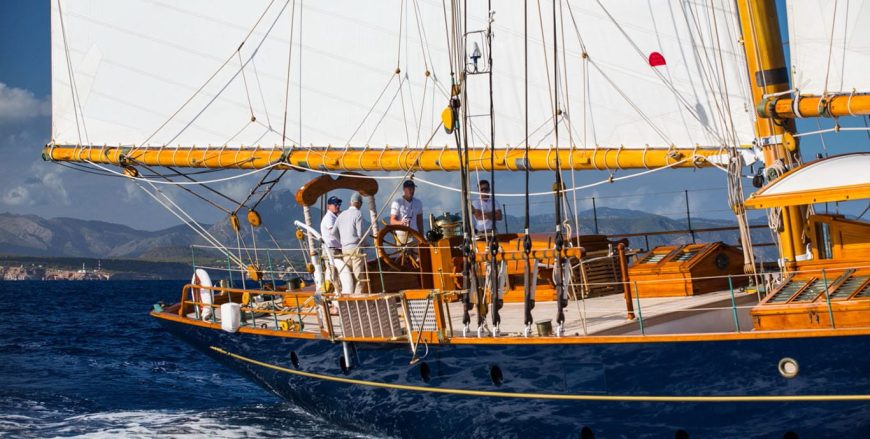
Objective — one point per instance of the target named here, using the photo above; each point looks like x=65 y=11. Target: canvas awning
x=839 y=178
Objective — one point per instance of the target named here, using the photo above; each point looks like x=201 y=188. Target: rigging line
x=830 y=49
x=422 y=110
x=278 y=248
x=245 y=82
x=245 y=126
x=686 y=105
x=526 y=102
x=269 y=129
x=568 y=123
x=372 y=108
x=301 y=5
x=588 y=114
x=189 y=178
x=187 y=220
x=401 y=21
x=271 y=184
x=709 y=73
x=631 y=103
x=183 y=183
x=731 y=126
x=705 y=66
x=576 y=188
x=73 y=89
x=210 y=78
x=424 y=44
x=822 y=136
x=262 y=96
x=543 y=124
x=81 y=167
x=528 y=296
x=544 y=52
x=213 y=204
x=385 y=113
x=85 y=169
x=230 y=81
x=447 y=34
x=557 y=241
x=287 y=80
x=843 y=55
x=494 y=286
x=735 y=34
x=404 y=113
x=832 y=130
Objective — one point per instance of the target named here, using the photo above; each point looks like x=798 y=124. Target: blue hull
x=829 y=366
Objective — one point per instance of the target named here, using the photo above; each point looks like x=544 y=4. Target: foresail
x=162 y=74
x=829 y=42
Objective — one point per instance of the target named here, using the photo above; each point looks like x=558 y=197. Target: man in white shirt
x=485 y=210
x=349 y=225
x=329 y=235
x=407 y=210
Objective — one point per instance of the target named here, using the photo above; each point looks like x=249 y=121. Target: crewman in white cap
x=330 y=236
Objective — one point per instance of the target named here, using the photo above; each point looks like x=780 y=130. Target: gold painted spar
x=783 y=107
x=385 y=159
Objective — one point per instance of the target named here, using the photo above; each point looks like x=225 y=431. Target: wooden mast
x=768 y=74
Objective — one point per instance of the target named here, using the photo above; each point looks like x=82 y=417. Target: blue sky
x=30 y=186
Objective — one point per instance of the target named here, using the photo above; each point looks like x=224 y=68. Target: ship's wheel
x=399 y=247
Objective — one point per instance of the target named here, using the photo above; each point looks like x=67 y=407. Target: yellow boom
x=385 y=159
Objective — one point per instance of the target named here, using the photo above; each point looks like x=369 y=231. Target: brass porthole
x=788 y=367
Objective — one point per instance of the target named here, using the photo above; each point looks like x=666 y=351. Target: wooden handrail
x=257 y=292
x=679 y=232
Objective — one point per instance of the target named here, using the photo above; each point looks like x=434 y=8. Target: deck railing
x=423 y=316
x=283 y=310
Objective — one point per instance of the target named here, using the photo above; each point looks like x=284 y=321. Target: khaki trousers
x=354 y=270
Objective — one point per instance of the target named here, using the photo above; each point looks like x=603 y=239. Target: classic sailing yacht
x=498 y=334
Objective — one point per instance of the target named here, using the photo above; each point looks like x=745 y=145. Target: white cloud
x=17 y=104
x=44 y=186
x=236 y=189
x=131 y=193
x=16 y=196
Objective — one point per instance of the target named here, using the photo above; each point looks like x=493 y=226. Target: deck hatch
x=685 y=256
x=849 y=287
x=814 y=289
x=653 y=258
x=786 y=291
x=865 y=291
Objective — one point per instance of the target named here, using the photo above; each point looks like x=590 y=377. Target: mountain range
x=31 y=235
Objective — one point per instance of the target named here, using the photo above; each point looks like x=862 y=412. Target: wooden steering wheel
x=399 y=247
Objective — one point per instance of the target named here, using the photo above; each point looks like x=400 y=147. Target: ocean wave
x=24 y=418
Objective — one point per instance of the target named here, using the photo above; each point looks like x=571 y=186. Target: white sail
x=158 y=73
x=829 y=42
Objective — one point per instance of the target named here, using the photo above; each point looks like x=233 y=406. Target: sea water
x=84 y=359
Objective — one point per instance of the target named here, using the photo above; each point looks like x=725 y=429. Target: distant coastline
x=21 y=268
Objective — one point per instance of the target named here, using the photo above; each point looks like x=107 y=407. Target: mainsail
x=346 y=76
x=830 y=46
